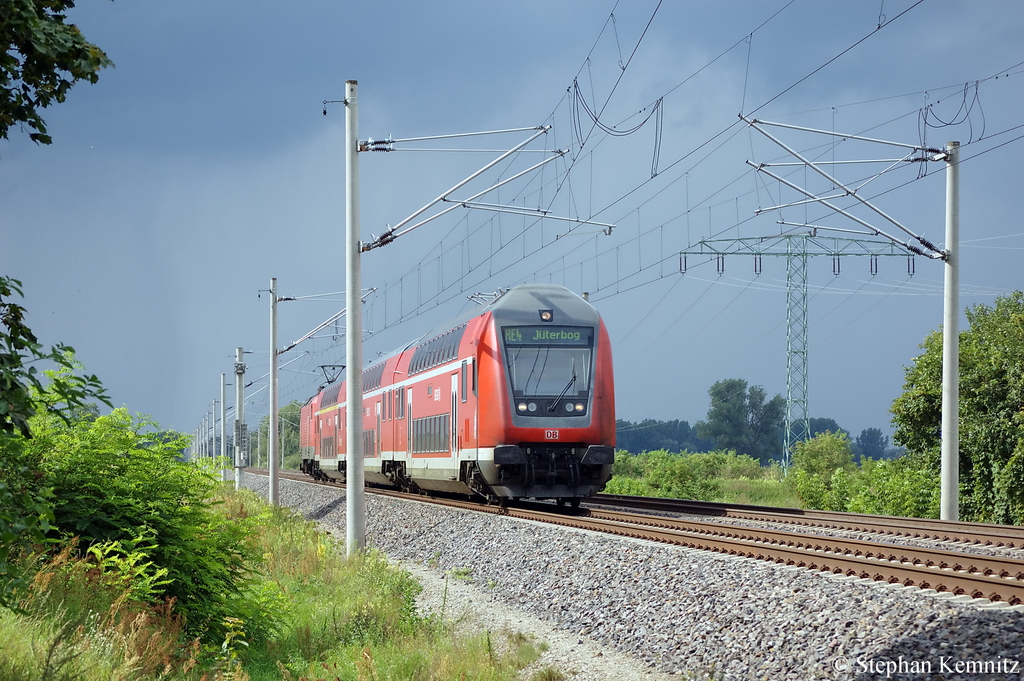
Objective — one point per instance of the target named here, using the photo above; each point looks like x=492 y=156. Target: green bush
x=661 y=474
x=723 y=464
x=908 y=486
x=118 y=482
x=824 y=474
x=25 y=514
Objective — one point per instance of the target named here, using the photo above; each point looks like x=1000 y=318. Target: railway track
x=978 y=534
x=996 y=578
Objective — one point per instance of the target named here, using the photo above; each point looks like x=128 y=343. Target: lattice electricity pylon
x=798 y=424
x=796 y=248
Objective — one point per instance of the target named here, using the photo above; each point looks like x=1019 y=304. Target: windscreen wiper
x=571 y=383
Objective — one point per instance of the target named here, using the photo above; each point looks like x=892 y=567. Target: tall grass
x=759 y=491
x=307 y=612
x=78 y=623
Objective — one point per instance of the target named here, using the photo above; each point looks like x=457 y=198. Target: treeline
x=743 y=419
x=651 y=435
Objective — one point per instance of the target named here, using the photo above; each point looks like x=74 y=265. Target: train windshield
x=549 y=361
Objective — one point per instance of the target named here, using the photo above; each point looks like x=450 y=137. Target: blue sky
x=202 y=165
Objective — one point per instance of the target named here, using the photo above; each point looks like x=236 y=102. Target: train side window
x=462 y=387
x=475 y=379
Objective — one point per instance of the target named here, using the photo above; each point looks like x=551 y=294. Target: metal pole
x=950 y=471
x=224 y=426
x=273 y=444
x=213 y=429
x=355 y=516
x=239 y=417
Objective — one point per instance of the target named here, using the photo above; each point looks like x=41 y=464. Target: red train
x=513 y=400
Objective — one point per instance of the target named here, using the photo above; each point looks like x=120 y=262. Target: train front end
x=546 y=371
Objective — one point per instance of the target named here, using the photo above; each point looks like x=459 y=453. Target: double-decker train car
x=513 y=400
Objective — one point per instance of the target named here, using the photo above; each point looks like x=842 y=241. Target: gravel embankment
x=681 y=611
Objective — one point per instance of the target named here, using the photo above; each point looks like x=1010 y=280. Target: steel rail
x=921 y=528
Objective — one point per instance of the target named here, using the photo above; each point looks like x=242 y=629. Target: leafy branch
x=42 y=58
x=21 y=389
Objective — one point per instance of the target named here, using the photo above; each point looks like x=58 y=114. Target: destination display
x=547 y=335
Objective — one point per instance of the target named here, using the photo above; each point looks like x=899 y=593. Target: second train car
x=513 y=400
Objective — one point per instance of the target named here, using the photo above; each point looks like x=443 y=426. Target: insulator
x=928 y=244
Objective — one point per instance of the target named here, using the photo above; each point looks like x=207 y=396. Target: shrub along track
x=991 y=577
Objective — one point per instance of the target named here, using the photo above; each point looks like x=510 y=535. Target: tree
x=872 y=443
x=651 y=435
x=991 y=410
x=21 y=390
x=42 y=59
x=288 y=435
x=825 y=425
x=742 y=420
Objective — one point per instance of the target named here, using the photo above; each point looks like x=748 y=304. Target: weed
x=461 y=573
x=548 y=674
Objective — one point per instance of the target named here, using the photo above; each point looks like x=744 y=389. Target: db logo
x=550 y=434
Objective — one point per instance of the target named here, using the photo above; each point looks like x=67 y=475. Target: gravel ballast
x=679 y=611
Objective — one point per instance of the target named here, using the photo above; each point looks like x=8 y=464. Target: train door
x=454 y=429
x=408 y=420
x=378 y=450
x=388 y=428
x=318 y=424
x=341 y=430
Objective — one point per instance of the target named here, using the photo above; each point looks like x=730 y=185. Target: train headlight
x=521 y=406
x=579 y=407
x=568 y=406
x=532 y=406
x=546 y=315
